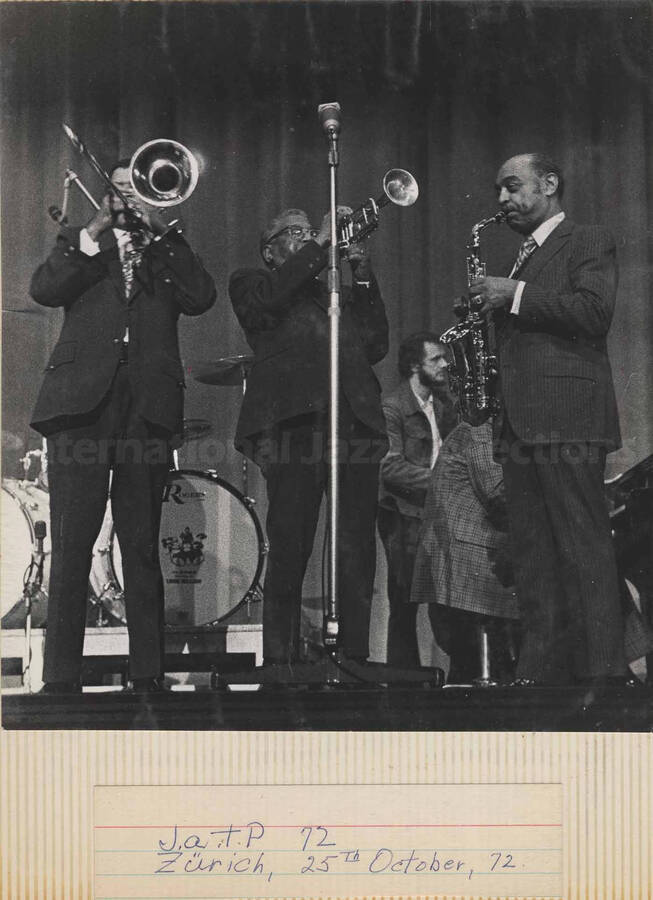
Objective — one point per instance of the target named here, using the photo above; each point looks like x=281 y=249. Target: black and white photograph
x=327 y=357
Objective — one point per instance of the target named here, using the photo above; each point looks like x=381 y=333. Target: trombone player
x=111 y=404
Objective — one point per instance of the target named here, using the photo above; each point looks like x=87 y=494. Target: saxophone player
x=558 y=421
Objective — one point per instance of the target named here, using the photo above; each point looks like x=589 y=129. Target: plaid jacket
x=463 y=553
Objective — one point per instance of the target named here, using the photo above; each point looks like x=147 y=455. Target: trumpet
x=162 y=173
x=399 y=187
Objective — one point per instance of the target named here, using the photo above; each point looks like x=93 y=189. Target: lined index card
x=240 y=842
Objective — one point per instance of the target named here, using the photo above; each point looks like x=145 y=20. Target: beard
x=433 y=384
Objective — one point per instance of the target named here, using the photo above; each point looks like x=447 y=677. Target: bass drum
x=23 y=504
x=211 y=547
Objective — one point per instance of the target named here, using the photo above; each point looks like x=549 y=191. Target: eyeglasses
x=296 y=232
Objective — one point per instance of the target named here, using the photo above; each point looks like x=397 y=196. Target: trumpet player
x=111 y=402
x=283 y=424
x=559 y=420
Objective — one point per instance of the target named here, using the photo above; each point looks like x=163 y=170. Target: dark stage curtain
x=445 y=90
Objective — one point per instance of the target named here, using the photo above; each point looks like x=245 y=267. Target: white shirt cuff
x=516 y=300
x=87 y=245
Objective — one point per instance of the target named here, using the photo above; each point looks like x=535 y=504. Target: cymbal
x=194 y=429
x=24 y=312
x=227 y=371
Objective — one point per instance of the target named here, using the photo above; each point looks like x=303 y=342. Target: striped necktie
x=529 y=245
x=131 y=256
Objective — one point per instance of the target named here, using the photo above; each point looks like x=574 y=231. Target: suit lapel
x=543 y=255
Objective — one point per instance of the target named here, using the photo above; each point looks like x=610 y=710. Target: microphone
x=40 y=532
x=35 y=578
x=329 y=114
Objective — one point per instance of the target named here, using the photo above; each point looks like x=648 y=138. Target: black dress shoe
x=362 y=662
x=61 y=687
x=147 y=685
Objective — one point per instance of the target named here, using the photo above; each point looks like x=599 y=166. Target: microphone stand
x=31 y=589
x=331 y=619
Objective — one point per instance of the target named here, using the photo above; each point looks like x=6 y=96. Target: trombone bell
x=163 y=172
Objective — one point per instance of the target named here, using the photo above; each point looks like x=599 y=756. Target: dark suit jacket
x=556 y=381
x=465 y=529
x=284 y=316
x=169 y=280
x=406 y=470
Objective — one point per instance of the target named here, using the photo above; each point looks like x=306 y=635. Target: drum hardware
x=32 y=584
x=195 y=429
x=24 y=504
x=229 y=371
x=485 y=678
x=40 y=454
x=192 y=430
x=111 y=601
x=26 y=460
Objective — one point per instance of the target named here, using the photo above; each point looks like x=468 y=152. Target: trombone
x=162 y=173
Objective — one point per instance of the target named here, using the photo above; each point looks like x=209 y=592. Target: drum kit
x=212 y=546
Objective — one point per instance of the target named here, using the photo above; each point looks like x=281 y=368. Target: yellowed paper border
x=47 y=781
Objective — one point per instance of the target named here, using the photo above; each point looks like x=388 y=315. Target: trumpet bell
x=163 y=172
x=400 y=187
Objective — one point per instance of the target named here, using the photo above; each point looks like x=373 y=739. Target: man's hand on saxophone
x=494 y=291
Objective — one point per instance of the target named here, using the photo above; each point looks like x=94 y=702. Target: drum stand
x=34 y=575
x=27 y=656
x=31 y=587
x=485 y=679
x=256 y=593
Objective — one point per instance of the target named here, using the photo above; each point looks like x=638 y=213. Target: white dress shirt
x=427 y=408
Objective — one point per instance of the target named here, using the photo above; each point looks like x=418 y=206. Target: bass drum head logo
x=209 y=549
x=186 y=551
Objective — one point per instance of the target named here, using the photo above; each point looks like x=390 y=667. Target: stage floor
x=340 y=708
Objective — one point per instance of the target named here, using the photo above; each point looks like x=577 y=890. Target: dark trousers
x=399 y=535
x=565 y=569
x=293 y=457
x=112 y=438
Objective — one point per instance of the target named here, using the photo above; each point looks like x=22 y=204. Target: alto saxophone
x=474 y=368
